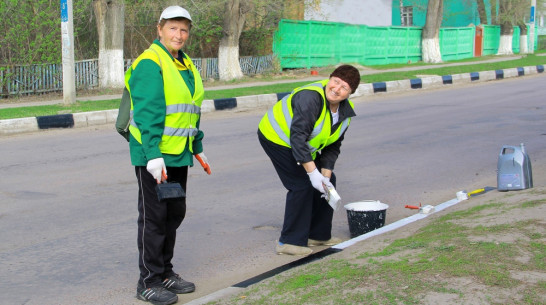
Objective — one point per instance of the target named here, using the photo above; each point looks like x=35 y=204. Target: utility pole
x=67 y=32
x=532 y=27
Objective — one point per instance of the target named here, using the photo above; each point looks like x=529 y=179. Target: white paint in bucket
x=365 y=216
x=366 y=205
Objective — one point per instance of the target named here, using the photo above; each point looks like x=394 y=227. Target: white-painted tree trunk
x=431 y=50
x=228 y=50
x=111 y=69
x=505 y=45
x=430 y=37
x=228 y=63
x=110 y=20
x=523 y=45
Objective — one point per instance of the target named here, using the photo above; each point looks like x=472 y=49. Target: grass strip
x=440 y=258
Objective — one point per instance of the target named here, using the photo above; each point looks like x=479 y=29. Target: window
x=406 y=16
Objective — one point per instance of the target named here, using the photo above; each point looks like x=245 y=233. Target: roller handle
x=205 y=166
x=163 y=176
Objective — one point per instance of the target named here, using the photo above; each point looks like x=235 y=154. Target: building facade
x=459 y=13
x=368 y=12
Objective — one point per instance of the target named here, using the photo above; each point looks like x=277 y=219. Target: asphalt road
x=68 y=197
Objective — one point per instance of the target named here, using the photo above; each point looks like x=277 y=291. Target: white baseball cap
x=174 y=12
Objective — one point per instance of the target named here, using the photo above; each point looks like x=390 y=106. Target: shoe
x=176 y=284
x=292 y=249
x=156 y=295
x=330 y=242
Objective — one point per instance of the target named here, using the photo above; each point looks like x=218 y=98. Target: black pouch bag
x=169 y=190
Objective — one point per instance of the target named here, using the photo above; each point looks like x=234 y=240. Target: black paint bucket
x=365 y=216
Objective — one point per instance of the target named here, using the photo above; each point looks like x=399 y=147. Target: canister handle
x=506 y=147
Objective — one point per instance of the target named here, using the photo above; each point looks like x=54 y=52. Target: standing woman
x=166 y=95
x=302 y=136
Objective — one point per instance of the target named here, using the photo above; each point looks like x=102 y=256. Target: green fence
x=386 y=45
x=306 y=44
x=457 y=43
x=491 y=37
x=541 y=41
x=515 y=39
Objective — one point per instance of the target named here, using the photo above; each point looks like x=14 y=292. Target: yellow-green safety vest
x=275 y=124
x=182 y=109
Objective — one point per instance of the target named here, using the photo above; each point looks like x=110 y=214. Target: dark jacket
x=306 y=107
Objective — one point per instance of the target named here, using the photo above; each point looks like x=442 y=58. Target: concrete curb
x=85 y=119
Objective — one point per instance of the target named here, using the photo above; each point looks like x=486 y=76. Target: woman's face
x=337 y=90
x=173 y=34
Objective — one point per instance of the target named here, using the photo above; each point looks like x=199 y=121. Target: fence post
x=204 y=68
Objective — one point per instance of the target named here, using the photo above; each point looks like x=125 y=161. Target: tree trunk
x=228 y=51
x=507 y=28
x=431 y=32
x=505 y=44
x=494 y=14
x=523 y=38
x=110 y=17
x=481 y=11
x=294 y=9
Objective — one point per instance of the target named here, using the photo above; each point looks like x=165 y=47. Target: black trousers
x=157 y=224
x=306 y=214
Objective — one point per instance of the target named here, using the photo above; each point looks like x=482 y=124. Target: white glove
x=156 y=167
x=317 y=179
x=328 y=183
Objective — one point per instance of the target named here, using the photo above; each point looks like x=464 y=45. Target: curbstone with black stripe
x=55 y=121
x=84 y=119
x=416 y=83
x=379 y=87
x=447 y=79
x=225 y=103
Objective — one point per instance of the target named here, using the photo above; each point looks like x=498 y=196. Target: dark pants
x=157 y=224
x=306 y=214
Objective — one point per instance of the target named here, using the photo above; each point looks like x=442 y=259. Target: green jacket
x=149 y=109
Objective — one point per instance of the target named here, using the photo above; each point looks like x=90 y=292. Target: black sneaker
x=156 y=295
x=176 y=284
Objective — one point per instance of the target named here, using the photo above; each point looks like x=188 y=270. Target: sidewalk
x=85 y=119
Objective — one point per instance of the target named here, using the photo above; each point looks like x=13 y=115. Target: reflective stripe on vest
x=182 y=110
x=275 y=125
x=286 y=107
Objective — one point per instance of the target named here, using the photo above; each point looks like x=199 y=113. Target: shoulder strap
x=125 y=115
